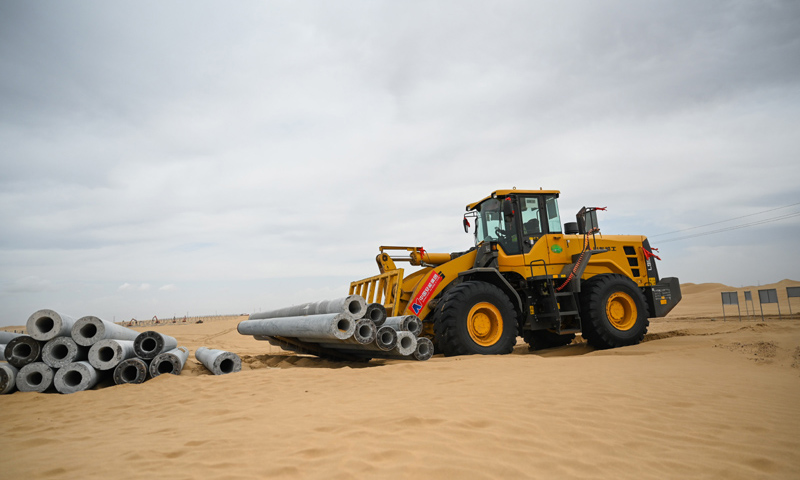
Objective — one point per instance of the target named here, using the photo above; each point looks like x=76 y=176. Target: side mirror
x=466 y=225
x=508 y=210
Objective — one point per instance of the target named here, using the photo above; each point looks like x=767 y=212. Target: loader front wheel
x=613 y=312
x=475 y=318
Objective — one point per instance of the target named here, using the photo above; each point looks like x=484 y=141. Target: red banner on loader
x=426 y=293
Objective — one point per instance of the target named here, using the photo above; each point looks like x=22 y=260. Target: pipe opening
x=59 y=351
x=130 y=373
x=44 y=324
x=386 y=338
x=166 y=367
x=343 y=325
x=73 y=378
x=34 y=378
x=22 y=350
x=149 y=345
x=105 y=354
x=88 y=331
x=365 y=331
x=405 y=342
x=354 y=307
x=423 y=348
x=226 y=366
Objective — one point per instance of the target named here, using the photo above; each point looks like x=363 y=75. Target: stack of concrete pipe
x=64 y=354
x=344 y=328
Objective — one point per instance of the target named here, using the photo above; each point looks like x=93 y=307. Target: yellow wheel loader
x=528 y=275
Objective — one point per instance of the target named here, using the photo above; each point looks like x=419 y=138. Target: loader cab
x=516 y=219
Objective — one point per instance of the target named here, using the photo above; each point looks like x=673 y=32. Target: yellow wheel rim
x=621 y=311
x=485 y=324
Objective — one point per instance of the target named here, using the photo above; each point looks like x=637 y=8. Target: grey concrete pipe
x=89 y=330
x=424 y=349
x=8 y=378
x=385 y=340
x=45 y=325
x=2 y=352
x=149 y=344
x=61 y=351
x=377 y=313
x=106 y=354
x=364 y=332
x=169 y=362
x=405 y=323
x=23 y=350
x=76 y=377
x=35 y=377
x=218 y=362
x=351 y=306
x=406 y=344
x=329 y=326
x=131 y=370
x=6 y=337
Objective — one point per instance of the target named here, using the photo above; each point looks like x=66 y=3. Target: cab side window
x=531 y=217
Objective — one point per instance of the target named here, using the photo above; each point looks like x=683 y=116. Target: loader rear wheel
x=541 y=339
x=613 y=312
x=475 y=318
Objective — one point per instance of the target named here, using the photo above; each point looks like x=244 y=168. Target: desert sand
x=699 y=398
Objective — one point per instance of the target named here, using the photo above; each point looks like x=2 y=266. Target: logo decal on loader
x=424 y=295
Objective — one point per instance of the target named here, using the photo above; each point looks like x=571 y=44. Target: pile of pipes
x=341 y=329
x=69 y=355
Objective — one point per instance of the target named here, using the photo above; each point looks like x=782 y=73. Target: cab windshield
x=493 y=226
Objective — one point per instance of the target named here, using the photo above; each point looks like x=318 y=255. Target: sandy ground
x=700 y=398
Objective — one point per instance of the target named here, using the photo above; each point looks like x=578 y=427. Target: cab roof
x=503 y=193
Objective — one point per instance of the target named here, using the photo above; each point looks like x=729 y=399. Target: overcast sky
x=174 y=158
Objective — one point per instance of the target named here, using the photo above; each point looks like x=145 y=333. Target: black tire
x=475 y=318
x=613 y=312
x=541 y=339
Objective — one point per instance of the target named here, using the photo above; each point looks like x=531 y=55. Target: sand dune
x=698 y=399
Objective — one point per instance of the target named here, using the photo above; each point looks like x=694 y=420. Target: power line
x=723 y=221
x=734 y=227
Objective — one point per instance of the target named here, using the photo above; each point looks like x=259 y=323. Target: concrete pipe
x=45 y=325
x=405 y=323
x=22 y=351
x=169 y=362
x=8 y=378
x=351 y=306
x=363 y=333
x=424 y=349
x=61 y=351
x=6 y=337
x=149 y=344
x=385 y=340
x=76 y=377
x=2 y=352
x=131 y=370
x=329 y=326
x=106 y=354
x=218 y=362
x=89 y=330
x=406 y=344
x=377 y=313
x=35 y=377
